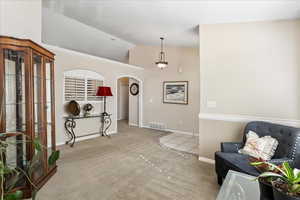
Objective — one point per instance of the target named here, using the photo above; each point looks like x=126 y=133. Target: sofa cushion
x=286 y=136
x=233 y=161
x=257 y=147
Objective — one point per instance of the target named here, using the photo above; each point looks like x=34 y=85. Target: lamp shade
x=104 y=92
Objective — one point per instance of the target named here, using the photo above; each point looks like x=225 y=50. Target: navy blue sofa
x=288 y=149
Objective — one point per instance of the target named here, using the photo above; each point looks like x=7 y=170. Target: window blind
x=74 y=89
x=92 y=88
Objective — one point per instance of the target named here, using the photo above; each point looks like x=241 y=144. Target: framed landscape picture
x=175 y=92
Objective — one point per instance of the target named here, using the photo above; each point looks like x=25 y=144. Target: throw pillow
x=257 y=147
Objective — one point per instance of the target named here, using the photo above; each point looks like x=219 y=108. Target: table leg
x=70 y=124
x=108 y=121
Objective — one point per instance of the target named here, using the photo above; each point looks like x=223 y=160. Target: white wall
x=22 y=19
x=123 y=99
x=88 y=39
x=133 y=105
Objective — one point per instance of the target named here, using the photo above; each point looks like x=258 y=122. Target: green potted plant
x=285 y=180
x=265 y=183
x=10 y=174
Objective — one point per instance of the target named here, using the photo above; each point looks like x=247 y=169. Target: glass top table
x=239 y=186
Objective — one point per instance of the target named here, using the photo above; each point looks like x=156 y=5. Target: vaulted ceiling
x=109 y=28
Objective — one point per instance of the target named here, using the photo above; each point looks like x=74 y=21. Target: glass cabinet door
x=49 y=107
x=39 y=127
x=13 y=108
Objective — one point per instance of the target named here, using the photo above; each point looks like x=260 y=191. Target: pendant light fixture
x=161 y=63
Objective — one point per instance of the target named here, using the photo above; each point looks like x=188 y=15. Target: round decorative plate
x=134 y=89
x=73 y=108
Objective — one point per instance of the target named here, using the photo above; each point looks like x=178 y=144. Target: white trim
x=133 y=124
x=141 y=93
x=90 y=56
x=60 y=144
x=148 y=127
x=182 y=132
x=247 y=118
x=206 y=160
x=172 y=131
x=86 y=138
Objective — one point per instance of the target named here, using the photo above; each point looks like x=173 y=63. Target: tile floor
x=181 y=142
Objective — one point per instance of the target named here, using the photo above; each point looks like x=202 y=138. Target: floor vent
x=156 y=125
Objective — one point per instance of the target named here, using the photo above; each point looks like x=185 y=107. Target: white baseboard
x=172 y=130
x=86 y=138
x=60 y=143
x=206 y=160
x=132 y=124
x=247 y=118
x=182 y=132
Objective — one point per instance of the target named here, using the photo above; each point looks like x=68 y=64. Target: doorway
x=129 y=102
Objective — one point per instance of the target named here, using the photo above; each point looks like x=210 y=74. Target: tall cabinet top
x=6 y=40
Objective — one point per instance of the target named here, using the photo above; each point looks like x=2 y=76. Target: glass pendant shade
x=162 y=63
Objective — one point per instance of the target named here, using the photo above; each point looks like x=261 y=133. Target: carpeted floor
x=130 y=165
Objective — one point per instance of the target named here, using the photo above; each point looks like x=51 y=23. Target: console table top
x=83 y=117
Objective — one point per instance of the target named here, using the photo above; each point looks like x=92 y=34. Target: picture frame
x=175 y=92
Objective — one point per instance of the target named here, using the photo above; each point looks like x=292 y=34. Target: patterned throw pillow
x=257 y=147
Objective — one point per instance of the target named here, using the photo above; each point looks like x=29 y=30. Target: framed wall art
x=175 y=92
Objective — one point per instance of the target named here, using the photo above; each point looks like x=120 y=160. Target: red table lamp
x=104 y=92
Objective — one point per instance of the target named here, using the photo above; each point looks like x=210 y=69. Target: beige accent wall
x=67 y=60
x=213 y=132
x=183 y=66
x=251 y=68
x=247 y=69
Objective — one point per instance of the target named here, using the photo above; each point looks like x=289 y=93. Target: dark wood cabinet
x=27 y=104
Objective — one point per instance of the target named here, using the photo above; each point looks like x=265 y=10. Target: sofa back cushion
x=286 y=136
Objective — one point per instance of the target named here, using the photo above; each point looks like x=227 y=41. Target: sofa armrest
x=279 y=161
x=231 y=147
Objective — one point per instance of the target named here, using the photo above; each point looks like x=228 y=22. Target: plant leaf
x=13 y=181
x=53 y=157
x=296 y=180
x=276 y=167
x=288 y=170
x=296 y=172
x=34 y=194
x=17 y=195
x=295 y=188
x=35 y=161
x=270 y=174
x=37 y=145
x=257 y=163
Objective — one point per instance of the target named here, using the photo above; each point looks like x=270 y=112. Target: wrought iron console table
x=70 y=125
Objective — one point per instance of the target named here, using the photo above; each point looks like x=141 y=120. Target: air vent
x=157 y=125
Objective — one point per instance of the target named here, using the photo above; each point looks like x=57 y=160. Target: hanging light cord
x=161 y=49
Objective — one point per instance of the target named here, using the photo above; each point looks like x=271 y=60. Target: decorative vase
x=266 y=190
x=278 y=195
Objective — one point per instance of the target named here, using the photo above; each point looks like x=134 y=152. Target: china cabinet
x=27 y=105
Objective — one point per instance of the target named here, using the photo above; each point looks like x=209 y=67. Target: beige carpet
x=130 y=165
